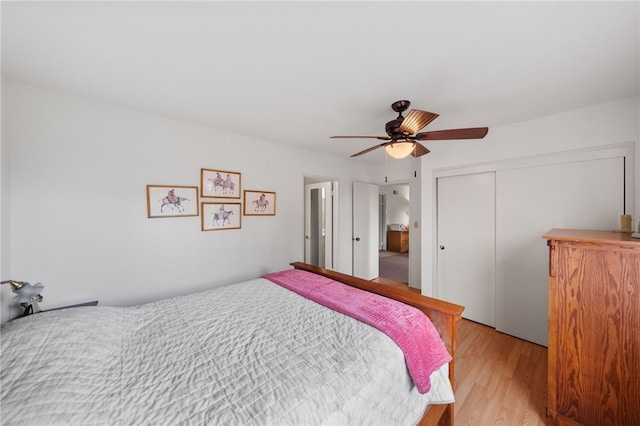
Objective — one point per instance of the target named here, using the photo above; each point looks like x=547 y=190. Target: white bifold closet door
x=466 y=244
x=530 y=201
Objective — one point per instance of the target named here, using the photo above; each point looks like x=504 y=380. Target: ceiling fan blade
x=382 y=138
x=370 y=149
x=416 y=120
x=441 y=135
x=419 y=150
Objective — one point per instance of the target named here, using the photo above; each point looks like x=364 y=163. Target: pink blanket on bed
x=409 y=327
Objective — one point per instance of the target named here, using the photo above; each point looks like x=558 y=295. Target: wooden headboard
x=443 y=315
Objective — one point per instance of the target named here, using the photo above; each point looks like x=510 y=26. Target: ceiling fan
x=402 y=137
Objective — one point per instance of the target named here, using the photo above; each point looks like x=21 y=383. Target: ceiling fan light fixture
x=402 y=138
x=400 y=149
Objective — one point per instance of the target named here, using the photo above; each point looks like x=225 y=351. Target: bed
x=259 y=352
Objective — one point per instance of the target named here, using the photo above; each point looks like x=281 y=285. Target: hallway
x=394 y=266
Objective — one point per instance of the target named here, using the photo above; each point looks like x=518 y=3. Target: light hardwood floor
x=500 y=379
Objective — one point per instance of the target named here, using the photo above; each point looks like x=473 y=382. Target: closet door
x=466 y=244
x=530 y=201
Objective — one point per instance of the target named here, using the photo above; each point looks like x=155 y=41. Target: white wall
x=5 y=290
x=604 y=124
x=397 y=204
x=74 y=173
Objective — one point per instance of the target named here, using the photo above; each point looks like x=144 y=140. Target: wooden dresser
x=398 y=241
x=594 y=328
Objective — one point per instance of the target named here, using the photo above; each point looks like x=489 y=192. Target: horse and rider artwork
x=176 y=200
x=219 y=183
x=219 y=216
x=169 y=201
x=259 y=203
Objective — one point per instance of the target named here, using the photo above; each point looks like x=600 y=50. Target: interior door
x=365 y=230
x=382 y=221
x=586 y=194
x=466 y=244
x=318 y=235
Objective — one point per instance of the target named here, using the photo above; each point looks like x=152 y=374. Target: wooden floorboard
x=500 y=379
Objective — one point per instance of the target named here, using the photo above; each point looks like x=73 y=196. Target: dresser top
x=588 y=235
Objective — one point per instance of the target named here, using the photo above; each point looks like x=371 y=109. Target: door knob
x=356 y=239
x=441 y=247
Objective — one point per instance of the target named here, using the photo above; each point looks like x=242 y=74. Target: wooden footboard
x=444 y=316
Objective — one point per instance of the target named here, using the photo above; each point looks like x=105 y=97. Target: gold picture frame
x=219 y=216
x=172 y=201
x=220 y=183
x=259 y=203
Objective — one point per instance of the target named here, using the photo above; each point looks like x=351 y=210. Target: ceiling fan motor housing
x=400 y=106
x=393 y=128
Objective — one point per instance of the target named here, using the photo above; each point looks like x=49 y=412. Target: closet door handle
x=441 y=247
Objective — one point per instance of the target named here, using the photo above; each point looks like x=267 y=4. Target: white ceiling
x=298 y=72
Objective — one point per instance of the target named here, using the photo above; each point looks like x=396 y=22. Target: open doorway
x=394 y=232
x=320 y=236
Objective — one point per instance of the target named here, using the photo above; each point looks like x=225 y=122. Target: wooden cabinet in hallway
x=398 y=241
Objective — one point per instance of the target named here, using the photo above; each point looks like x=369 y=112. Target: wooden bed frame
x=444 y=316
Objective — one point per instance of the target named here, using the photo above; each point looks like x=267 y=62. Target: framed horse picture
x=220 y=216
x=259 y=203
x=172 y=201
x=219 y=183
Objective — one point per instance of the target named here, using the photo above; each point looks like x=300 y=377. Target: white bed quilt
x=251 y=353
